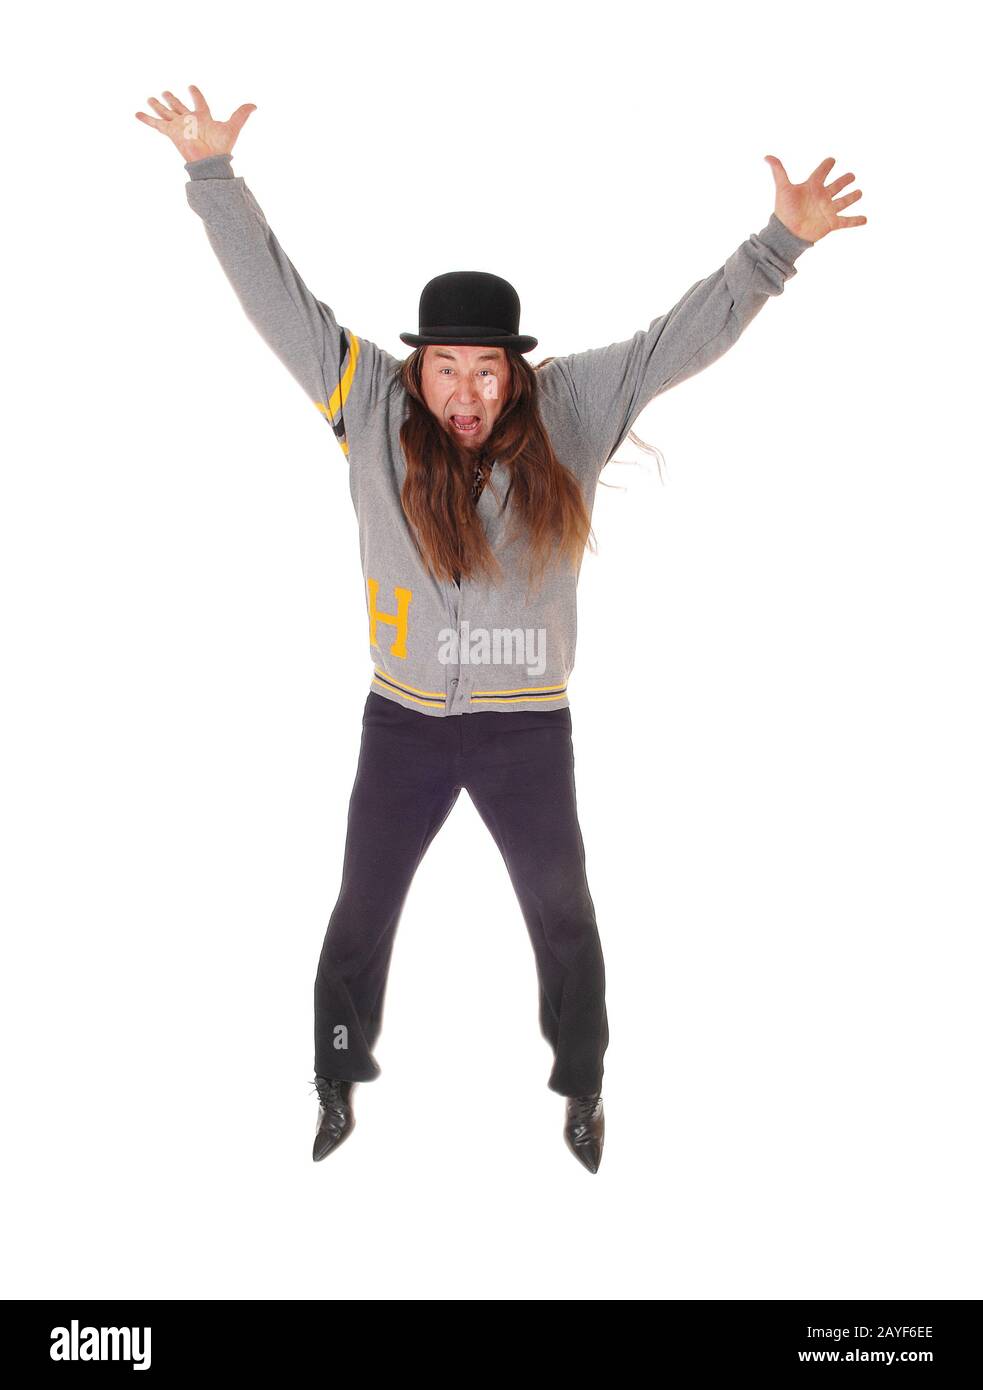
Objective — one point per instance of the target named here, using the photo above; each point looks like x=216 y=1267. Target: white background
x=779 y=786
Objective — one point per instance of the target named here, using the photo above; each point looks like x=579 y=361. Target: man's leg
x=404 y=791
x=520 y=776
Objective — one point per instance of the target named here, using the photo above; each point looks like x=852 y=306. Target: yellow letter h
x=397 y=619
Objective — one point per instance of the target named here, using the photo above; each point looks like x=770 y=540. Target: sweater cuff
x=213 y=166
x=777 y=236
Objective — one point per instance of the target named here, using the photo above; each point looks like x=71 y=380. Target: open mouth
x=465 y=424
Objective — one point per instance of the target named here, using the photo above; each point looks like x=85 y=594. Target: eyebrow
x=482 y=356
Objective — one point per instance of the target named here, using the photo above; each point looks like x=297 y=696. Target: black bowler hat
x=470 y=306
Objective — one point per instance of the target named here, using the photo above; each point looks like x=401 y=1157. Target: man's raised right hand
x=195 y=133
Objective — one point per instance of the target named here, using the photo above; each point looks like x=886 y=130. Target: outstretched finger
x=848 y=199
x=240 y=116
x=201 y=105
x=821 y=170
x=149 y=120
x=778 y=169
x=841 y=182
x=848 y=222
x=160 y=108
x=177 y=105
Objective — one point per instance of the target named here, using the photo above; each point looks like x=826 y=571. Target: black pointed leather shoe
x=335 y=1116
x=583 y=1129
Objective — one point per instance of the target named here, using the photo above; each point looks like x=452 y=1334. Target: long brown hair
x=549 y=510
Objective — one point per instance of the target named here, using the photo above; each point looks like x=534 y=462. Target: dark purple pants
x=518 y=769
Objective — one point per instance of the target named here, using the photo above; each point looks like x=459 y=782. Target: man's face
x=466 y=385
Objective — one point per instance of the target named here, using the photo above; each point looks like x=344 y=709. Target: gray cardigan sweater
x=436 y=647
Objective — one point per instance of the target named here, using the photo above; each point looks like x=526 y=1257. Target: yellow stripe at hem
x=402 y=685
x=521 y=690
x=488 y=700
x=395 y=690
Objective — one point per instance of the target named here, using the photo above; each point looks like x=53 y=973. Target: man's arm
x=345 y=376
x=611 y=386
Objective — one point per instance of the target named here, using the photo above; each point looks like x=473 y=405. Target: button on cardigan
x=436 y=646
